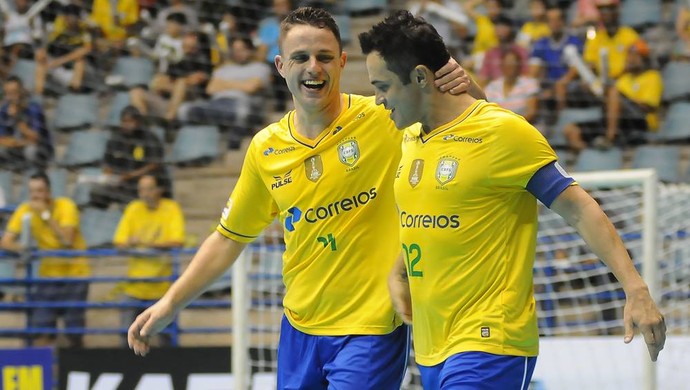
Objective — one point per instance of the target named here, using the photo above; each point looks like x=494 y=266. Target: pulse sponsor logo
x=427 y=221
x=269 y=151
x=321 y=213
x=282 y=180
x=458 y=138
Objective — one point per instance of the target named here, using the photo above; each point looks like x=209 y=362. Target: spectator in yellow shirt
x=631 y=106
x=485 y=38
x=116 y=22
x=151 y=222
x=536 y=28
x=54 y=225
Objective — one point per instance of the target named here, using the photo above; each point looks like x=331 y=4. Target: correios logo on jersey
x=270 y=150
x=426 y=221
x=324 y=212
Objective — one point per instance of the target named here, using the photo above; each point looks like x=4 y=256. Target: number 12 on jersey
x=413 y=255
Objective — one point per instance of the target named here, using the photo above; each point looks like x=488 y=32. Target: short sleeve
x=175 y=226
x=69 y=214
x=123 y=231
x=14 y=225
x=250 y=207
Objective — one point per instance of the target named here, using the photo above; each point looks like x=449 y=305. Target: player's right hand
x=147 y=324
x=399 y=288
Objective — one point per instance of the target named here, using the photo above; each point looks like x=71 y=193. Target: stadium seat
x=599 y=160
x=664 y=159
x=58 y=184
x=6 y=186
x=676 y=126
x=640 y=13
x=76 y=111
x=98 y=226
x=356 y=6
x=85 y=147
x=134 y=71
x=26 y=71
x=81 y=195
x=571 y=115
x=676 y=77
x=345 y=25
x=195 y=145
x=120 y=101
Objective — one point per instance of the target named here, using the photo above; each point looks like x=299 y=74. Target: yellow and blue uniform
x=334 y=197
x=616 y=45
x=468 y=215
x=150 y=227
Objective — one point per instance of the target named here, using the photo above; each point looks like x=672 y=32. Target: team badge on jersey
x=446 y=170
x=348 y=152
x=416 y=171
x=313 y=168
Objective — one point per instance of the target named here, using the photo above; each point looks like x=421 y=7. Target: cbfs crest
x=446 y=170
x=348 y=152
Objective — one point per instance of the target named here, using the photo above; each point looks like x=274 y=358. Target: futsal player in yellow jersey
x=326 y=172
x=466 y=190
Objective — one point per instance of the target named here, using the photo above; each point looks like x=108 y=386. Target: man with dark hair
x=54 y=225
x=25 y=141
x=339 y=329
x=132 y=152
x=466 y=192
x=491 y=64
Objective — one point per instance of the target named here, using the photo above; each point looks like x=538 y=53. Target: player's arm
x=216 y=254
x=10 y=242
x=583 y=213
x=399 y=288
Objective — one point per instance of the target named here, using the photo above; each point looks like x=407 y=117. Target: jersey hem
x=227 y=233
x=368 y=330
x=432 y=360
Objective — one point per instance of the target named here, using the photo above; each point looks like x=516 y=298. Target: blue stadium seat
x=571 y=115
x=640 y=13
x=134 y=70
x=6 y=186
x=98 y=226
x=195 y=145
x=26 y=71
x=665 y=159
x=81 y=194
x=365 y=5
x=676 y=126
x=120 y=101
x=85 y=147
x=345 y=25
x=58 y=184
x=599 y=160
x=76 y=111
x=676 y=77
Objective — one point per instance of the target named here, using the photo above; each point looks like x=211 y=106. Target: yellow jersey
x=102 y=15
x=468 y=233
x=616 y=45
x=334 y=198
x=149 y=227
x=485 y=38
x=66 y=214
x=533 y=31
x=645 y=88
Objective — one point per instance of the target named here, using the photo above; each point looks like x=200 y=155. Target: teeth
x=313 y=82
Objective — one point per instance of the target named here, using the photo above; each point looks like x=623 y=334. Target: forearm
x=73 y=56
x=10 y=243
x=215 y=255
x=142 y=171
x=399 y=271
x=65 y=238
x=29 y=133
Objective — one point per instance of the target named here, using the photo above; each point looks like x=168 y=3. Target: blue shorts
x=357 y=362
x=479 y=371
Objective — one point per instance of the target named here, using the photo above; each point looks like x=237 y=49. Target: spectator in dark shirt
x=24 y=138
x=131 y=153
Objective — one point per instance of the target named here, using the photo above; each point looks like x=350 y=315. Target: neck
x=310 y=122
x=557 y=36
x=153 y=204
x=444 y=108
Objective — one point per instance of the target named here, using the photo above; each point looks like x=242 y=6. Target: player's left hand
x=640 y=310
x=452 y=78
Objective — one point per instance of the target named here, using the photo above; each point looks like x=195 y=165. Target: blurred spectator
x=116 y=19
x=150 y=222
x=176 y=7
x=18 y=28
x=683 y=29
x=65 y=59
x=631 y=106
x=586 y=13
x=268 y=48
x=235 y=88
x=24 y=138
x=610 y=37
x=491 y=66
x=451 y=32
x=229 y=28
x=184 y=80
x=513 y=91
x=549 y=65
x=54 y=225
x=485 y=37
x=536 y=28
x=168 y=48
x=131 y=153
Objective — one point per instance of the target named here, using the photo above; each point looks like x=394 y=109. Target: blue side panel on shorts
x=479 y=370
x=356 y=362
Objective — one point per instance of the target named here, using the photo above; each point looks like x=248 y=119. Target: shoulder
x=170 y=204
x=269 y=134
x=22 y=209
x=628 y=33
x=64 y=203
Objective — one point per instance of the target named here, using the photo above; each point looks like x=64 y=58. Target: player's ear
x=278 y=61
x=343 y=58
x=420 y=76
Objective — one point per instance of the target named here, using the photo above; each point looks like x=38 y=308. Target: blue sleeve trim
x=548 y=182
